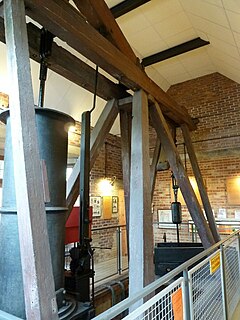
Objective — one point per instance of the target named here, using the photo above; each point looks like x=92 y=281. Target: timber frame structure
x=91 y=29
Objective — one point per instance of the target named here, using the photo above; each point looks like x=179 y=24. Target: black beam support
x=126 y=6
x=174 y=51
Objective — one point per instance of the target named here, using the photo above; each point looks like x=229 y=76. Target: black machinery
x=169 y=255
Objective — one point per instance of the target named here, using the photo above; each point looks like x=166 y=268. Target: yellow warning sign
x=177 y=304
x=215 y=263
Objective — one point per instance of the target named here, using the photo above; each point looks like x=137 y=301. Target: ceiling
x=153 y=27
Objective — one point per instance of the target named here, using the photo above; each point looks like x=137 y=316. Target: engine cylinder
x=52 y=130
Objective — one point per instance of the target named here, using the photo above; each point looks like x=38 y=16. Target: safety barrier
x=207 y=287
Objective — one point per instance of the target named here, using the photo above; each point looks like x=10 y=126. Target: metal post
x=224 y=288
x=238 y=250
x=119 y=250
x=192 y=233
x=186 y=296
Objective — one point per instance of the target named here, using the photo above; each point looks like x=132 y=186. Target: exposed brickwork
x=215 y=101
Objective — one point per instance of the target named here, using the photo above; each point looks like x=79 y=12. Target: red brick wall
x=215 y=101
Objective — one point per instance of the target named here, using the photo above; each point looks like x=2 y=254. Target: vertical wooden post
x=200 y=182
x=141 y=271
x=40 y=300
x=125 y=125
x=180 y=174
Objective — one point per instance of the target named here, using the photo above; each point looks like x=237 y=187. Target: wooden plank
x=40 y=300
x=153 y=167
x=140 y=228
x=200 y=183
x=180 y=174
x=57 y=16
x=98 y=136
x=101 y=18
x=125 y=127
x=69 y=66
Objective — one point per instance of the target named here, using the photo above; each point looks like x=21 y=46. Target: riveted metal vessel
x=52 y=128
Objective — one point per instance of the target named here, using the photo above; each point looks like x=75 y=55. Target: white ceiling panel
x=152 y=41
x=206 y=10
x=196 y=59
x=232 y=5
x=234 y=19
x=215 y=2
x=156 y=13
x=181 y=37
x=210 y=28
x=172 y=26
x=230 y=50
x=237 y=38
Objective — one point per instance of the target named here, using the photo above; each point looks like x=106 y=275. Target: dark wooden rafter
x=200 y=183
x=58 y=16
x=126 y=6
x=154 y=163
x=174 y=51
x=98 y=136
x=98 y=15
x=177 y=167
x=69 y=66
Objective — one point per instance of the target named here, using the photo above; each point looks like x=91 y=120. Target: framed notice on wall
x=233 y=190
x=114 y=204
x=165 y=219
x=96 y=204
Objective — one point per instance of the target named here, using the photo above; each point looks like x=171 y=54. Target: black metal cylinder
x=52 y=128
x=176 y=212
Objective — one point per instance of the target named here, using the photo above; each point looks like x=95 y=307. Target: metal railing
x=188 y=231
x=110 y=243
x=208 y=290
x=110 y=254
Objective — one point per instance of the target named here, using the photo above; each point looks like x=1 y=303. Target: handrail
x=109 y=227
x=125 y=304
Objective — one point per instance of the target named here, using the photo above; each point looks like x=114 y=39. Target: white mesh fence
x=206 y=301
x=162 y=305
x=231 y=252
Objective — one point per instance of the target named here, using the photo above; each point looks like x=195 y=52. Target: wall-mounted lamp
x=112 y=181
x=106 y=186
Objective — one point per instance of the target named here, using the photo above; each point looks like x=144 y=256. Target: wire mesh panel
x=206 y=300
x=232 y=275
x=163 y=305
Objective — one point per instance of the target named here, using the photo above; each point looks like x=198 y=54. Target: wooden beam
x=69 y=66
x=153 y=167
x=38 y=283
x=100 y=17
x=140 y=231
x=1 y=9
x=126 y=6
x=174 y=51
x=98 y=136
x=57 y=16
x=180 y=174
x=200 y=183
x=125 y=126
